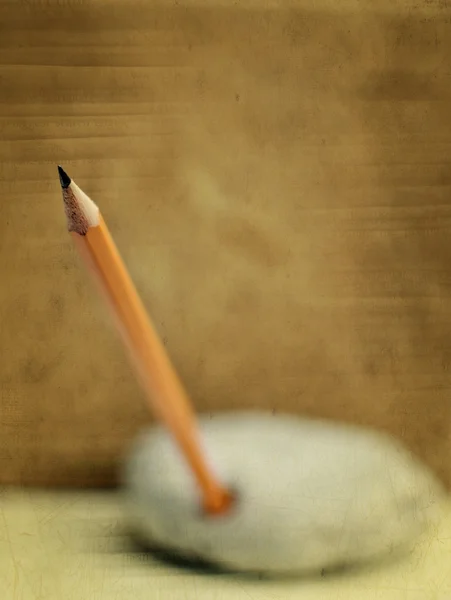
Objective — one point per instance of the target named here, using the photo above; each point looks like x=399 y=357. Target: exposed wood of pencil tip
x=157 y=374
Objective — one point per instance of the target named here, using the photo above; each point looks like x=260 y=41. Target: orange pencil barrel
x=154 y=367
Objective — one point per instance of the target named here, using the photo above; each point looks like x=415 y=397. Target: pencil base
x=312 y=495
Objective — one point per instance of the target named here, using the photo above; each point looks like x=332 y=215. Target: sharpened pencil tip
x=64 y=178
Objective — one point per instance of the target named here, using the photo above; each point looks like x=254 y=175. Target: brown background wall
x=279 y=184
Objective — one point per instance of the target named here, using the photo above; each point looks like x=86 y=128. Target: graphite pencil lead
x=65 y=180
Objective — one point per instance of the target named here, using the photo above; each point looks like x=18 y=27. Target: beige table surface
x=67 y=546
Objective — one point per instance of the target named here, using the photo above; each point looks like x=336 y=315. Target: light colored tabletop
x=72 y=546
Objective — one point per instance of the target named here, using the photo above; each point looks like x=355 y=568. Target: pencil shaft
x=150 y=359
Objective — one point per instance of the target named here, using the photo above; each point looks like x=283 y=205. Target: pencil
x=164 y=390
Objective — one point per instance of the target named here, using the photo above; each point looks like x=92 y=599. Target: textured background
x=278 y=182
